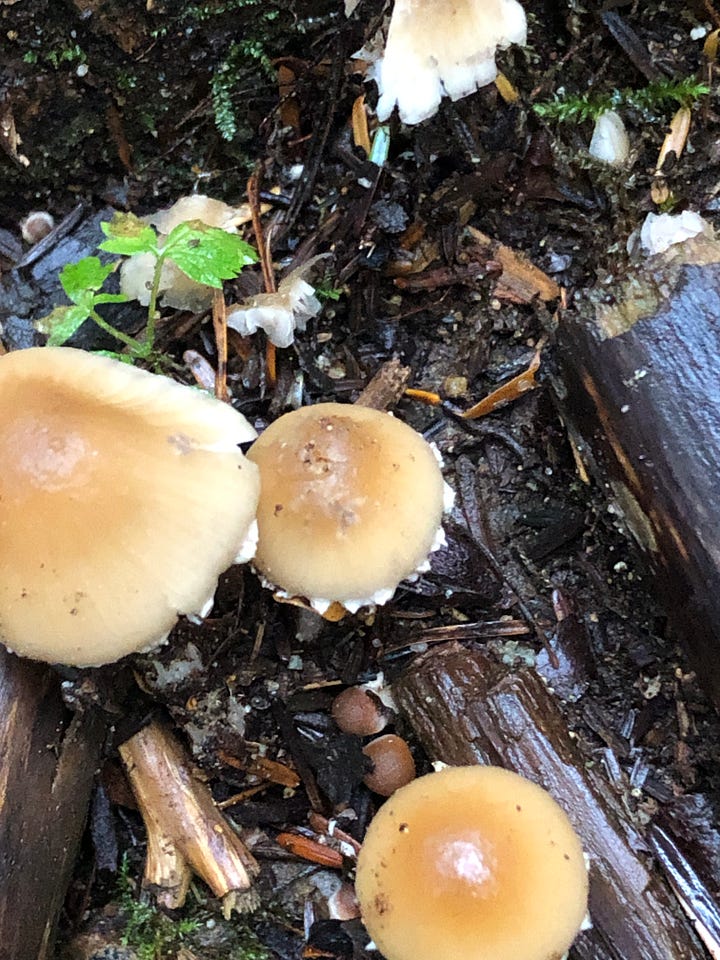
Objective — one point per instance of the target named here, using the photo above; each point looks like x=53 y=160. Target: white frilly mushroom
x=177 y=290
x=279 y=314
x=662 y=230
x=439 y=48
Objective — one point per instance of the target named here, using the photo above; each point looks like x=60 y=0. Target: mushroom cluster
x=110 y=477
x=124 y=496
x=351 y=503
x=474 y=863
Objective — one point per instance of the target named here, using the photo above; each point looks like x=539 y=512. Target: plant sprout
x=207 y=255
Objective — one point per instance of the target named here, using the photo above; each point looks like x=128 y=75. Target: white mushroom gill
x=439 y=48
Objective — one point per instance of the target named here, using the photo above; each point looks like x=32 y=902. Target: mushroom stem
x=186 y=832
x=152 y=312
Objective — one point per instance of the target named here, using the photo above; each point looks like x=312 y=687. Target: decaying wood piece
x=186 y=832
x=520 y=281
x=47 y=766
x=465 y=708
x=639 y=393
x=386 y=387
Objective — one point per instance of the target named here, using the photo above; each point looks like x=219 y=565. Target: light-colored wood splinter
x=186 y=832
x=386 y=388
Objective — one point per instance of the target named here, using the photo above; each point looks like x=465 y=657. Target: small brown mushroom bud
x=359 y=712
x=36 y=226
x=393 y=764
x=343 y=905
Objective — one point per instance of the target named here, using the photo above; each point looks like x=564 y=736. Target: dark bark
x=639 y=393
x=466 y=710
x=47 y=766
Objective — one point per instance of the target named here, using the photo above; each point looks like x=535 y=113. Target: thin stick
x=219 y=315
x=265 y=252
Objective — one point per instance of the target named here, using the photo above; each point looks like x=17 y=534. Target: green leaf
x=127 y=234
x=111 y=298
x=85 y=275
x=122 y=357
x=61 y=324
x=207 y=254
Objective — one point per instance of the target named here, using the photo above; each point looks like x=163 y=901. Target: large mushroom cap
x=438 y=47
x=123 y=496
x=472 y=863
x=351 y=502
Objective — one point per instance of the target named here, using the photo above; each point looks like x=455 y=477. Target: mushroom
x=437 y=47
x=472 y=862
x=610 y=142
x=393 y=764
x=177 y=289
x=36 y=226
x=351 y=504
x=279 y=314
x=359 y=712
x=123 y=496
x=660 y=231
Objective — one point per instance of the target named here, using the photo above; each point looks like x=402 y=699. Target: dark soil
x=145 y=124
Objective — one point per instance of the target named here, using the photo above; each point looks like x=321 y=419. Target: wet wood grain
x=47 y=766
x=639 y=394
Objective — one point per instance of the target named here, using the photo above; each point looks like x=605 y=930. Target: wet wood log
x=638 y=389
x=47 y=766
x=466 y=708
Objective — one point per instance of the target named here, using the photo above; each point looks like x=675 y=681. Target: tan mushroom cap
x=474 y=863
x=350 y=505
x=123 y=496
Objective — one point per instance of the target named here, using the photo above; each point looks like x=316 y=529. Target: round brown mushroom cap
x=351 y=501
x=393 y=764
x=123 y=496
x=474 y=863
x=359 y=712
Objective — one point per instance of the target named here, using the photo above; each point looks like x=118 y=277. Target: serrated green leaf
x=85 y=275
x=127 y=234
x=61 y=324
x=207 y=254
